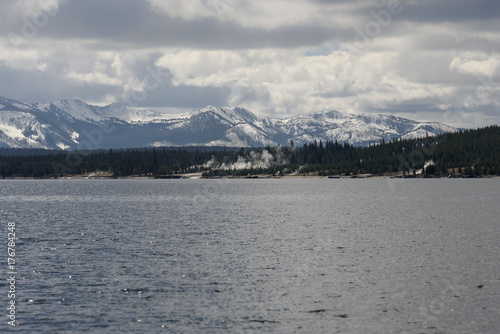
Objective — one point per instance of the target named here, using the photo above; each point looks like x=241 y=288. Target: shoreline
x=254 y=177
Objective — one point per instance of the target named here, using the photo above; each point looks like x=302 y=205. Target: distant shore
x=198 y=176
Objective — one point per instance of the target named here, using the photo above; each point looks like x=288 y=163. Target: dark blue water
x=251 y=256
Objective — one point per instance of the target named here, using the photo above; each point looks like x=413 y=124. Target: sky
x=428 y=60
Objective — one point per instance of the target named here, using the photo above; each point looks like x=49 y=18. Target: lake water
x=252 y=256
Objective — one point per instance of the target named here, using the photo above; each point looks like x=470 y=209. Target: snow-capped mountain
x=74 y=124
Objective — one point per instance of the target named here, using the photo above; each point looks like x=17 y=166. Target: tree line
x=468 y=153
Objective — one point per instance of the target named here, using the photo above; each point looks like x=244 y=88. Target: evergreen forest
x=468 y=153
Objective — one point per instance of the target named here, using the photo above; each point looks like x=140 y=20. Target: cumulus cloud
x=94 y=78
x=478 y=64
x=195 y=9
x=290 y=83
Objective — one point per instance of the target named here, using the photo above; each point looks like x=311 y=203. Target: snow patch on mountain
x=22 y=129
x=73 y=124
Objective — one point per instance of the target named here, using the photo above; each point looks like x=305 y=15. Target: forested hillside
x=465 y=153
x=473 y=152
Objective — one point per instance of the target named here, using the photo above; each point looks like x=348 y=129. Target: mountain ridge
x=74 y=124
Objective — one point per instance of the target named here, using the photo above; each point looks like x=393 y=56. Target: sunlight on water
x=312 y=256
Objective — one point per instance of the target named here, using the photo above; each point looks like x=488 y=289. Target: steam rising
x=254 y=159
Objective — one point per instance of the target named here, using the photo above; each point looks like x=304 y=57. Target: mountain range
x=74 y=124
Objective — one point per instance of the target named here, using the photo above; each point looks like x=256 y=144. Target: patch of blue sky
x=323 y=50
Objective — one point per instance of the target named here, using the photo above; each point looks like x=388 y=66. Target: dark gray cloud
x=37 y=74
x=451 y=10
x=117 y=24
x=182 y=97
x=33 y=86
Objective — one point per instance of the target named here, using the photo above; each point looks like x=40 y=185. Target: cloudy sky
x=433 y=60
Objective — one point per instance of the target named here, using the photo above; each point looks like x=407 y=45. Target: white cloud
x=94 y=78
x=263 y=13
x=286 y=81
x=196 y=9
x=22 y=58
x=476 y=63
